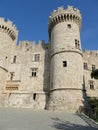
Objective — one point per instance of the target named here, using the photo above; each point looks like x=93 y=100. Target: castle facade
x=53 y=76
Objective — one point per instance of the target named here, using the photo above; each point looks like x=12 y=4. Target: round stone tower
x=8 y=39
x=66 y=75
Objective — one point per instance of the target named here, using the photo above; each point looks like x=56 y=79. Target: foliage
x=93 y=111
x=93 y=103
x=94 y=74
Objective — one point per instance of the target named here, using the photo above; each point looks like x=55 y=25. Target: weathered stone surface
x=32 y=75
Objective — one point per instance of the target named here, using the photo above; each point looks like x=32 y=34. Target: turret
x=8 y=39
x=66 y=75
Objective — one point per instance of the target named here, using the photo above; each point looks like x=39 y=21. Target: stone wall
x=23 y=82
x=66 y=68
x=66 y=100
x=25 y=100
x=51 y=76
x=91 y=58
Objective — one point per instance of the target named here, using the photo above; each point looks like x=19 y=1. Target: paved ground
x=27 y=119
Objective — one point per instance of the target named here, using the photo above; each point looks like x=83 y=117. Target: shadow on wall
x=66 y=125
x=46 y=74
x=85 y=102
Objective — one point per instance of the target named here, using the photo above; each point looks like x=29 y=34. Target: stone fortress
x=53 y=76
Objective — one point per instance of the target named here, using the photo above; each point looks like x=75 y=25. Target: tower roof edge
x=61 y=10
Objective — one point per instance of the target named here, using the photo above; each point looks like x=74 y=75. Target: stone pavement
x=28 y=119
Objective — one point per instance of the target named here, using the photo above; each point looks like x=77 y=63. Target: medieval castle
x=53 y=76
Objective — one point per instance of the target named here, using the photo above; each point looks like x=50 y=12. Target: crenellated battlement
x=93 y=53
x=60 y=15
x=69 y=9
x=30 y=45
x=54 y=76
x=9 y=28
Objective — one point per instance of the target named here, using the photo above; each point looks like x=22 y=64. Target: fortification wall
x=66 y=59
x=90 y=57
x=30 y=58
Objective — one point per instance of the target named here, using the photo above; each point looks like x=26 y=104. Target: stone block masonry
x=53 y=76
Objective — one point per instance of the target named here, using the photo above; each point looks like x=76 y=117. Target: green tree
x=94 y=102
x=94 y=74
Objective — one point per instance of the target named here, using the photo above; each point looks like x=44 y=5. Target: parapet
x=91 y=53
x=61 y=10
x=9 y=28
x=30 y=45
x=60 y=15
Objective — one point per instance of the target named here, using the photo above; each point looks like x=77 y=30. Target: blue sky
x=31 y=18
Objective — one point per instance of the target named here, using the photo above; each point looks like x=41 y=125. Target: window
x=69 y=25
x=14 y=59
x=6 y=57
x=91 y=83
x=77 y=45
x=11 y=75
x=64 y=63
x=37 y=57
x=34 y=96
x=93 y=67
x=91 y=53
x=85 y=66
x=34 y=72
